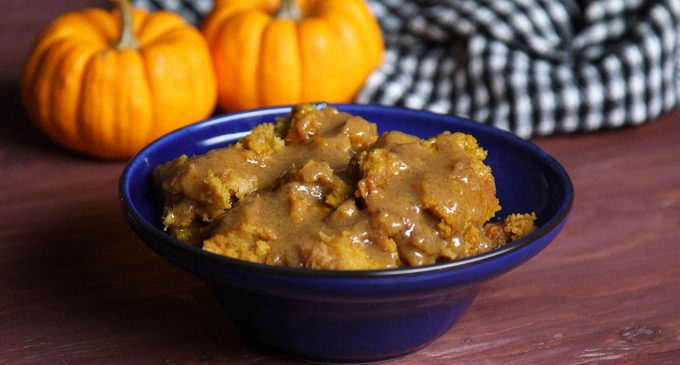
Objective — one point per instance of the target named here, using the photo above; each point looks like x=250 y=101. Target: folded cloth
x=529 y=66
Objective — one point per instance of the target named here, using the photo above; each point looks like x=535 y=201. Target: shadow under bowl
x=353 y=316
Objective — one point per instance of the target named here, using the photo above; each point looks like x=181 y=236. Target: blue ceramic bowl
x=345 y=316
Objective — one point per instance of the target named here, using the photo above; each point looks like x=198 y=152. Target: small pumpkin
x=107 y=83
x=270 y=52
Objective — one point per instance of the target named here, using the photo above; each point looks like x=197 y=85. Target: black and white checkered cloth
x=534 y=67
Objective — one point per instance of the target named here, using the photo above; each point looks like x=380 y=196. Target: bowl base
x=332 y=332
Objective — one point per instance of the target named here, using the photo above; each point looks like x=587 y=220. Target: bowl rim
x=132 y=213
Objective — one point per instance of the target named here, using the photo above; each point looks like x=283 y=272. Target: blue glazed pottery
x=353 y=316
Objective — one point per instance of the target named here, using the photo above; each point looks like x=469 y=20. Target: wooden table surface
x=78 y=287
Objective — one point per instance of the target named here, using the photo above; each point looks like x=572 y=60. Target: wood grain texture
x=79 y=288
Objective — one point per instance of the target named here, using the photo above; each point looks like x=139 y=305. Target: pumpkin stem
x=127 y=32
x=289 y=10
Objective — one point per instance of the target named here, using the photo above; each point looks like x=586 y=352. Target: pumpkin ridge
x=258 y=73
x=214 y=50
x=83 y=120
x=152 y=94
x=351 y=76
x=277 y=87
x=141 y=28
x=158 y=86
x=145 y=40
x=41 y=87
x=300 y=56
x=172 y=35
x=121 y=112
x=243 y=31
x=213 y=24
x=193 y=89
x=368 y=31
x=96 y=92
x=80 y=122
x=133 y=122
x=98 y=27
x=322 y=75
x=260 y=60
x=59 y=122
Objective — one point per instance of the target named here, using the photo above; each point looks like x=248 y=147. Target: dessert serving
x=322 y=189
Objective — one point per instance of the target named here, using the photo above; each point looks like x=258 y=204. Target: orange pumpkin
x=268 y=52
x=106 y=84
